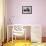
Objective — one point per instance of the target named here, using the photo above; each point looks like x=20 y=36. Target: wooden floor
x=23 y=43
x=18 y=43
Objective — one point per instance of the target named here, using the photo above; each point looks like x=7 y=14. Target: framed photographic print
x=26 y=9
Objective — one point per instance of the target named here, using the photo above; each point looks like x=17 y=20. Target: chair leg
x=15 y=38
x=2 y=44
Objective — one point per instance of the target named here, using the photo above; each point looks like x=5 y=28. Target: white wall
x=1 y=20
x=38 y=15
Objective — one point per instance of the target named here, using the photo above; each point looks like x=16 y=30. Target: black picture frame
x=26 y=9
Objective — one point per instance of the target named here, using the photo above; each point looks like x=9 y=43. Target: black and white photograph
x=26 y=9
